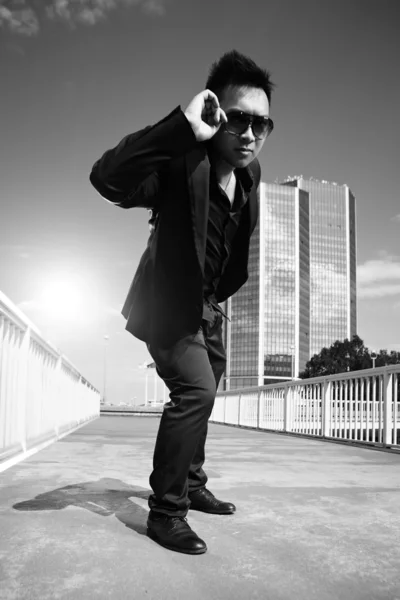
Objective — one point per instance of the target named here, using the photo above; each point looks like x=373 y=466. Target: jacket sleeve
x=129 y=174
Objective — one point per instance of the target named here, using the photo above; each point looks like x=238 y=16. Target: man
x=198 y=174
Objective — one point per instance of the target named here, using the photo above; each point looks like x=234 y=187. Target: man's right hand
x=205 y=115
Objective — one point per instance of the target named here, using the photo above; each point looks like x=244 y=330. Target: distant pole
x=106 y=338
x=147 y=388
x=155 y=387
x=292 y=361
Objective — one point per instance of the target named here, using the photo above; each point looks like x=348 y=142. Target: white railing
x=42 y=395
x=361 y=406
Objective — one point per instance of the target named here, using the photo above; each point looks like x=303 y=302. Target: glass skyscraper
x=333 y=296
x=301 y=291
x=267 y=338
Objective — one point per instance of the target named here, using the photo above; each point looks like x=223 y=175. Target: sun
x=62 y=298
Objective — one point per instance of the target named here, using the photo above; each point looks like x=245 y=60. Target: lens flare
x=62 y=298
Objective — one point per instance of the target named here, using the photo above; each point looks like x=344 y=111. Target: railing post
x=286 y=415
x=59 y=416
x=387 y=407
x=240 y=397
x=326 y=408
x=23 y=377
x=2 y=377
x=258 y=408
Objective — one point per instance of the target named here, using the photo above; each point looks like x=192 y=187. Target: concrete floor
x=315 y=520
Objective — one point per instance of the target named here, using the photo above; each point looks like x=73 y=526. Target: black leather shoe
x=174 y=533
x=205 y=501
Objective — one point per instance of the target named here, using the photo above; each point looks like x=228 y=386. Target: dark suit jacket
x=164 y=168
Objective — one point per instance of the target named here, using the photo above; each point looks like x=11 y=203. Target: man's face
x=229 y=147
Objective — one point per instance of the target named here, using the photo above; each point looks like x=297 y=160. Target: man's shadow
x=105 y=497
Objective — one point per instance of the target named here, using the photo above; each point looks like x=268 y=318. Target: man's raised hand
x=205 y=115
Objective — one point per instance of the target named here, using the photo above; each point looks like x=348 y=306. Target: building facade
x=301 y=291
x=333 y=294
x=267 y=337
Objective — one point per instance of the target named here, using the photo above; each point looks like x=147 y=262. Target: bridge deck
x=315 y=520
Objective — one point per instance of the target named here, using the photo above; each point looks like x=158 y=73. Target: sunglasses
x=238 y=123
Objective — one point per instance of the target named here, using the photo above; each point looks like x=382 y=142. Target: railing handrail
x=12 y=311
x=18 y=318
x=43 y=396
x=372 y=372
x=354 y=406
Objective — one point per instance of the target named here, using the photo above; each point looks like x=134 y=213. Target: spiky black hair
x=234 y=68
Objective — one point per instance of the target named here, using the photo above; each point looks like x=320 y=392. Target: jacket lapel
x=253 y=209
x=198 y=171
x=254 y=196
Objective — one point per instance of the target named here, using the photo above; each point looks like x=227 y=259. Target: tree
x=349 y=355
x=383 y=358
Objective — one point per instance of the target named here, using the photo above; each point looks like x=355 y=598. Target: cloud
x=379 y=291
x=23 y=19
x=154 y=7
x=379 y=278
x=378 y=270
x=88 y=12
x=396 y=218
x=18 y=17
x=28 y=305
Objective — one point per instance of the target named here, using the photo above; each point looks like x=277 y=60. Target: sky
x=76 y=76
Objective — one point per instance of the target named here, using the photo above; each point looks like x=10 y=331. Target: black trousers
x=191 y=369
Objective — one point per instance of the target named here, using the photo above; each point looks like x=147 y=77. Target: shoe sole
x=212 y=512
x=154 y=537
